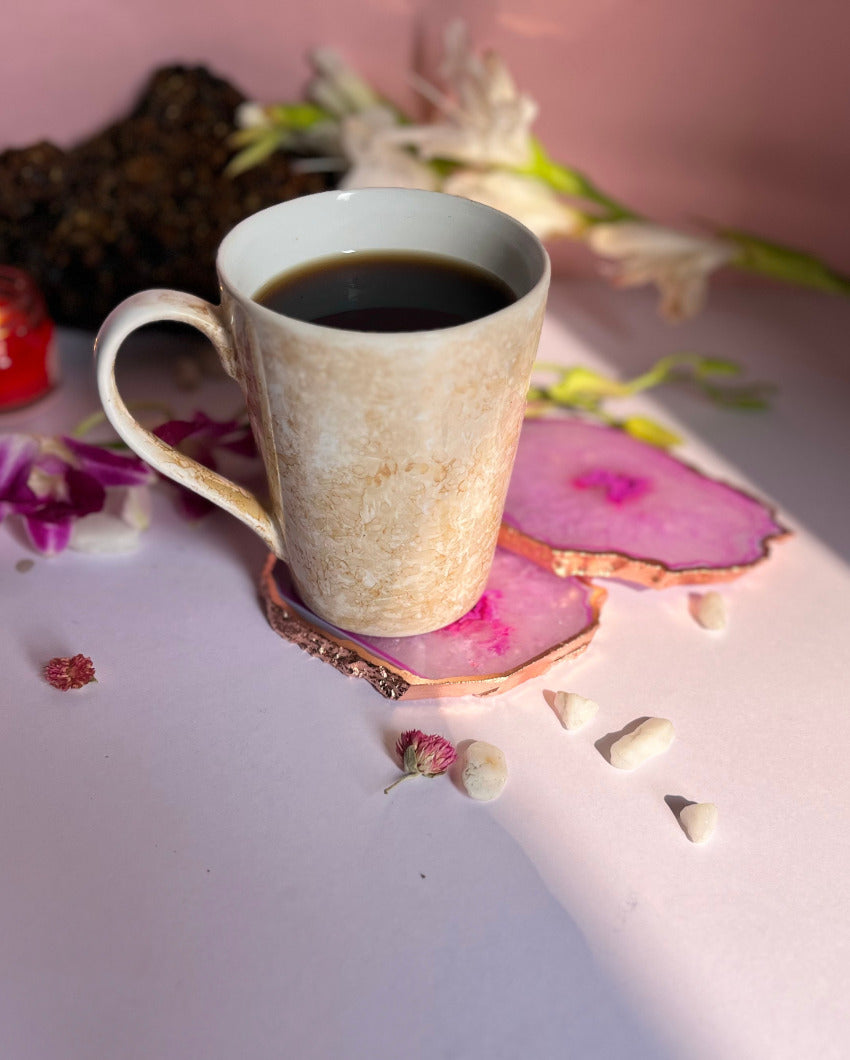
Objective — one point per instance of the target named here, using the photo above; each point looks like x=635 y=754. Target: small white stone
x=652 y=737
x=574 y=710
x=709 y=609
x=698 y=820
x=485 y=771
x=103 y=533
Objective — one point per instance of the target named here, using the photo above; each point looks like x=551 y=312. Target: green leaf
x=243 y=137
x=785 y=263
x=296 y=115
x=649 y=431
x=578 y=385
x=715 y=366
x=568 y=181
x=443 y=167
x=669 y=367
x=587 y=391
x=95 y=419
x=746 y=398
x=256 y=153
x=561 y=178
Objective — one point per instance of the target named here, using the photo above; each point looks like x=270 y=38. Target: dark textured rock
x=144 y=203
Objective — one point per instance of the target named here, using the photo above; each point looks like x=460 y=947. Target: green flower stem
x=286 y=121
x=585 y=391
x=571 y=182
x=88 y=424
x=755 y=255
x=297 y=115
x=783 y=263
x=404 y=776
x=95 y=419
x=258 y=150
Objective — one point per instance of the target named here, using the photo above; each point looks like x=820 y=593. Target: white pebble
x=102 y=533
x=709 y=609
x=485 y=771
x=698 y=820
x=650 y=738
x=574 y=710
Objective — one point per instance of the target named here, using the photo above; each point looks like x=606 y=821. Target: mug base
x=411 y=627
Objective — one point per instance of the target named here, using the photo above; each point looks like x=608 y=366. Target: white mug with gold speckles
x=387 y=455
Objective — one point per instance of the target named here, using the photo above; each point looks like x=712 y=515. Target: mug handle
x=150 y=307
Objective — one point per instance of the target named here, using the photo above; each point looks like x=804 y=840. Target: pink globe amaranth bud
x=69 y=672
x=422 y=755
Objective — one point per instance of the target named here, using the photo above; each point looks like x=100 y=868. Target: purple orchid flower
x=200 y=438
x=18 y=453
x=52 y=482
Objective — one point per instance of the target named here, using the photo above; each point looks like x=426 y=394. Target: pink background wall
x=732 y=110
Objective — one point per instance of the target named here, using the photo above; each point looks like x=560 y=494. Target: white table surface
x=198 y=860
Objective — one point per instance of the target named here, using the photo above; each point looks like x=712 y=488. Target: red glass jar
x=28 y=364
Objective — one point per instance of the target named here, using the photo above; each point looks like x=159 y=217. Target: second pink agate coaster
x=594 y=501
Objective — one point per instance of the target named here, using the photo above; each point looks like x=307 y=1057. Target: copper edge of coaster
x=649 y=573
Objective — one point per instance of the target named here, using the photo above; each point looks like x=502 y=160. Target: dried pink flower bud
x=422 y=755
x=67 y=673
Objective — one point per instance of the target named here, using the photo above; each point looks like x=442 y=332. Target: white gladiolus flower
x=527 y=199
x=377 y=162
x=487 y=123
x=677 y=263
x=338 y=88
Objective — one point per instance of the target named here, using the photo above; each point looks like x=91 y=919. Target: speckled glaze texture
x=388 y=456
x=391 y=461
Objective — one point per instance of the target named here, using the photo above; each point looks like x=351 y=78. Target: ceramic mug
x=387 y=455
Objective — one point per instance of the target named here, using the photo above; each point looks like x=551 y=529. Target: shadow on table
x=216 y=891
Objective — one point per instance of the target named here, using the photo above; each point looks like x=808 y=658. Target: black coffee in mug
x=386 y=291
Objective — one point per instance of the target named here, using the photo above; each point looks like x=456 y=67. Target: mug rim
x=542 y=266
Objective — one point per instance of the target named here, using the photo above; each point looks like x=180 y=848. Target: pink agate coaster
x=526 y=621
x=594 y=501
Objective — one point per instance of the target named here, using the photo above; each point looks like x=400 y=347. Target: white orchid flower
x=103 y=534
x=134 y=506
x=377 y=162
x=677 y=263
x=527 y=199
x=488 y=122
